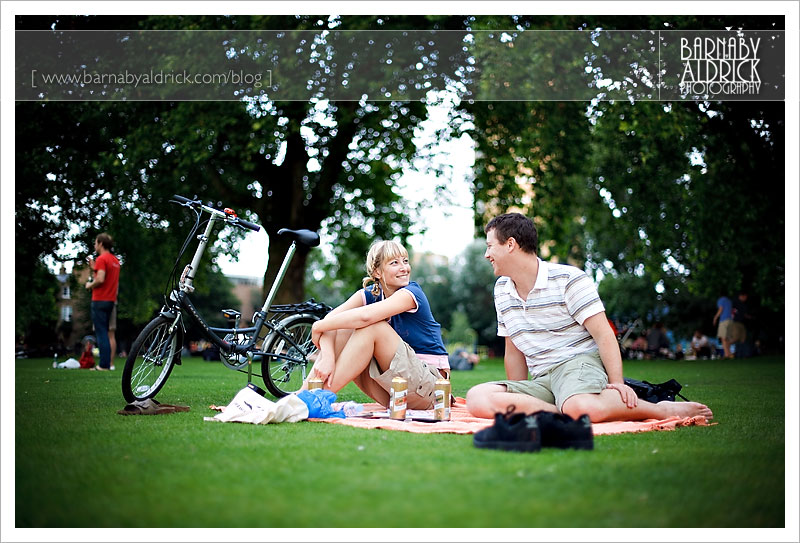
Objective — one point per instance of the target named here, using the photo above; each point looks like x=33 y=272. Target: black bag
x=653 y=393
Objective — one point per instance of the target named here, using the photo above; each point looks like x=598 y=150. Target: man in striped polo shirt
x=556 y=332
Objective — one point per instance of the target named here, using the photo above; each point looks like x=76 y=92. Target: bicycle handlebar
x=246 y=224
x=182 y=200
x=232 y=219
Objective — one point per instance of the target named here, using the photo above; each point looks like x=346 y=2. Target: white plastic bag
x=251 y=407
x=69 y=364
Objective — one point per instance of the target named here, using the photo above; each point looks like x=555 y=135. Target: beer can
x=441 y=401
x=397 y=398
x=314 y=383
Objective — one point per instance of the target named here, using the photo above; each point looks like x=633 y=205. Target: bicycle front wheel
x=285 y=372
x=151 y=359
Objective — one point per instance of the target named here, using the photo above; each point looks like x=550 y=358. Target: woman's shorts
x=584 y=374
x=421 y=377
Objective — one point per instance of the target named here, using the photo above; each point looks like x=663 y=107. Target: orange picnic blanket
x=461 y=422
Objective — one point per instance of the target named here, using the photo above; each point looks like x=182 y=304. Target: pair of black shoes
x=530 y=432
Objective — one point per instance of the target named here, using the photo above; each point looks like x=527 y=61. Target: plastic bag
x=69 y=364
x=250 y=405
x=319 y=402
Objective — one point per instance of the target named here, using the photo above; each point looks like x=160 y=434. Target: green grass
x=79 y=464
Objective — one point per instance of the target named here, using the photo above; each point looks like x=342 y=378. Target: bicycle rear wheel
x=151 y=359
x=285 y=373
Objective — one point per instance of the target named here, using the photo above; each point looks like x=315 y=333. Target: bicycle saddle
x=306 y=237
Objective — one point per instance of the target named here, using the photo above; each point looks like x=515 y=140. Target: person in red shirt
x=104 y=286
x=87 y=358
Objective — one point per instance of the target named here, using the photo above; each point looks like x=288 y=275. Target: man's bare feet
x=686 y=409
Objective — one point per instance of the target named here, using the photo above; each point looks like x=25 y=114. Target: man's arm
x=607 y=345
x=99 y=278
x=597 y=325
x=514 y=360
x=719 y=312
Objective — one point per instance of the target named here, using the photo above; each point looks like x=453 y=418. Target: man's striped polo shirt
x=548 y=327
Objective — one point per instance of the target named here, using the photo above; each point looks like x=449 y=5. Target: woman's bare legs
x=353 y=351
x=377 y=340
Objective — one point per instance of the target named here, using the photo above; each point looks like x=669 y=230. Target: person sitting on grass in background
x=382 y=332
x=640 y=345
x=657 y=342
x=87 y=357
x=700 y=345
x=556 y=330
x=461 y=360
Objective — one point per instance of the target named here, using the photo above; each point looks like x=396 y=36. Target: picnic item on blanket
x=250 y=406
x=314 y=383
x=350 y=409
x=397 y=398
x=441 y=406
x=510 y=432
x=320 y=403
x=653 y=393
x=151 y=407
x=415 y=415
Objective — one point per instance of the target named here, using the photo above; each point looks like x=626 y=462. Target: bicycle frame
x=260 y=319
x=285 y=329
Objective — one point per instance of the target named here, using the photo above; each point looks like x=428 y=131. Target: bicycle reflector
x=229 y=211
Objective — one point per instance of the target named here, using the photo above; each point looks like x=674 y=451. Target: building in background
x=247 y=290
x=73 y=316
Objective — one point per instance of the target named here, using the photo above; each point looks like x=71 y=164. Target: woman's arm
x=364 y=315
x=351 y=315
x=325 y=363
x=356 y=300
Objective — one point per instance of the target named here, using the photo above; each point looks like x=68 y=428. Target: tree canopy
x=682 y=195
x=295 y=164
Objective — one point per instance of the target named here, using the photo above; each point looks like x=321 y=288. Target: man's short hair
x=105 y=240
x=517 y=226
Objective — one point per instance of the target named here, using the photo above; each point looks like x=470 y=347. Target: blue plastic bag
x=319 y=403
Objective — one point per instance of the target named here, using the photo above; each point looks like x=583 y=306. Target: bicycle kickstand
x=249 y=367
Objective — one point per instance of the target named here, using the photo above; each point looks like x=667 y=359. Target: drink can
x=397 y=398
x=314 y=383
x=441 y=402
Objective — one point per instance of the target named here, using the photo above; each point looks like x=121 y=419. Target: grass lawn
x=79 y=464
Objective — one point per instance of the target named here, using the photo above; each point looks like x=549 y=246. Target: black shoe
x=510 y=432
x=564 y=432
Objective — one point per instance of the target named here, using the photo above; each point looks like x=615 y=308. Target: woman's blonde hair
x=379 y=252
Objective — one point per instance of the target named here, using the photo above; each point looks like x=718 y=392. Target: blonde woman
x=384 y=330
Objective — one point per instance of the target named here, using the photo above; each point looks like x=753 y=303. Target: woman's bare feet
x=686 y=409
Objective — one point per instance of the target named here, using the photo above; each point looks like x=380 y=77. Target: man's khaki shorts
x=421 y=377
x=584 y=374
x=737 y=333
x=724 y=329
